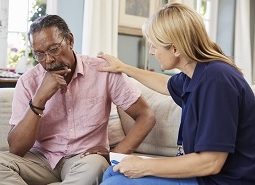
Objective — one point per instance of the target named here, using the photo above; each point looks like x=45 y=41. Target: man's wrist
x=37 y=110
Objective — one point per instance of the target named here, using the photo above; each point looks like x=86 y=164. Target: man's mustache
x=57 y=67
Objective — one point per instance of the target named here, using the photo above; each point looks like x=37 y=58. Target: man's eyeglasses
x=39 y=56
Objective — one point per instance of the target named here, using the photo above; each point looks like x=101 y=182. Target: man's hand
x=52 y=82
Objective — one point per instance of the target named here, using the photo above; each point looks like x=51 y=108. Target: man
x=61 y=109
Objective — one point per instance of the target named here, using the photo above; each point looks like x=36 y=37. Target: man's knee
x=97 y=168
x=88 y=170
x=97 y=163
x=6 y=158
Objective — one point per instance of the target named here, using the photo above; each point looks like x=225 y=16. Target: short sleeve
x=175 y=87
x=122 y=90
x=217 y=105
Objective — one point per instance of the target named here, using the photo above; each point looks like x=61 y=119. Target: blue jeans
x=115 y=178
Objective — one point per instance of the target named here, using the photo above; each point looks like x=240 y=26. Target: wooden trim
x=129 y=31
x=131 y=24
x=8 y=80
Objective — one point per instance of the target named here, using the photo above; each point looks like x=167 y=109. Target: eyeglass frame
x=49 y=51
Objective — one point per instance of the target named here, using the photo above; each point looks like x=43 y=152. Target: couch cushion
x=253 y=88
x=6 y=95
x=115 y=130
x=162 y=139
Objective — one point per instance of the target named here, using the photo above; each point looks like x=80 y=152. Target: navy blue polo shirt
x=220 y=117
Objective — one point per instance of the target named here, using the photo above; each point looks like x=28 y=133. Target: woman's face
x=165 y=57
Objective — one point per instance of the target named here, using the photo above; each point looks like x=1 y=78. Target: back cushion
x=163 y=137
x=6 y=95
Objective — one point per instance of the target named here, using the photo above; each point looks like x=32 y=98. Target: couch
x=161 y=141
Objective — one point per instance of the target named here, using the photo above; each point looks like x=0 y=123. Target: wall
x=3 y=32
x=226 y=25
x=72 y=12
x=131 y=50
x=252 y=8
x=129 y=47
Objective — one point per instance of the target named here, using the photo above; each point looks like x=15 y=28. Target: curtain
x=4 y=6
x=253 y=61
x=252 y=7
x=51 y=7
x=242 y=46
x=190 y=3
x=100 y=27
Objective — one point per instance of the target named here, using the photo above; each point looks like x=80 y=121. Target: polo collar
x=191 y=83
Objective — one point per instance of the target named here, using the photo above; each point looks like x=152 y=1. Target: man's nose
x=49 y=58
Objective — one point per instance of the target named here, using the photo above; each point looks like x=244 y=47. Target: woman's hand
x=131 y=166
x=115 y=65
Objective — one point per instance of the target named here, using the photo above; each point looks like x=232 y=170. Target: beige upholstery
x=160 y=141
x=6 y=95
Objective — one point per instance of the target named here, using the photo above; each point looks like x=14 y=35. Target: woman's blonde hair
x=177 y=24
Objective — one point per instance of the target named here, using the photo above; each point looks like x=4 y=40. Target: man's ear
x=70 y=39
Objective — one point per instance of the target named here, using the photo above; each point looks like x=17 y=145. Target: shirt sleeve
x=25 y=89
x=217 y=110
x=175 y=87
x=20 y=102
x=122 y=90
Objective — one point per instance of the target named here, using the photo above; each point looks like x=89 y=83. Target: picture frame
x=133 y=13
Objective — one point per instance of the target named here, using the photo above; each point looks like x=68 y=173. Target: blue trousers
x=115 y=178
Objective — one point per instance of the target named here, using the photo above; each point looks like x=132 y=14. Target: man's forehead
x=46 y=37
x=46 y=33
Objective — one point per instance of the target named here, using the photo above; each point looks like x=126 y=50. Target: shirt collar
x=79 y=67
x=190 y=83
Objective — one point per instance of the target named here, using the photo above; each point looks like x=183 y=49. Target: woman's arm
x=153 y=80
x=189 y=165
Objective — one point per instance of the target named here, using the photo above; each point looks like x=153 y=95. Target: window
x=208 y=9
x=21 y=14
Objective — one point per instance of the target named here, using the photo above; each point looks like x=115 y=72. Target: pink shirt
x=77 y=120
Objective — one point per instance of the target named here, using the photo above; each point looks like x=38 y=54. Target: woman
x=218 y=118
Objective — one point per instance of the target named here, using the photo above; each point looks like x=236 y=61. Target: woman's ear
x=176 y=52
